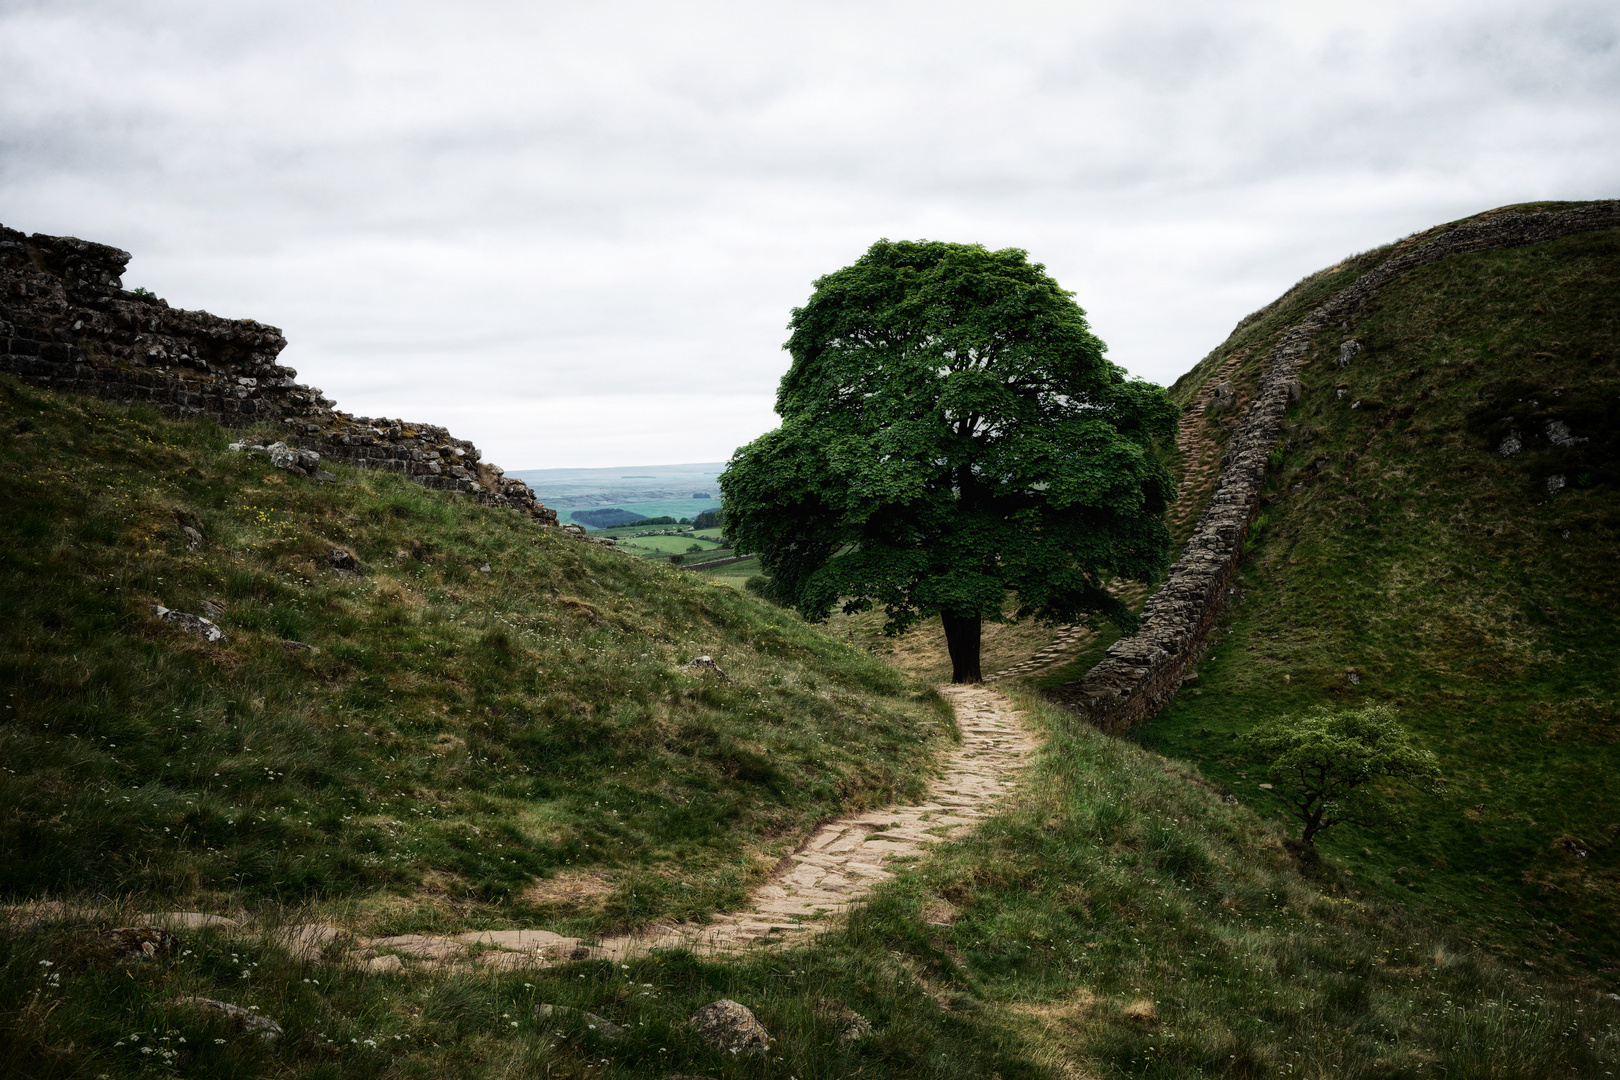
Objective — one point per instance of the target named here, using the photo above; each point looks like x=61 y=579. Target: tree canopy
x=1323 y=763
x=950 y=431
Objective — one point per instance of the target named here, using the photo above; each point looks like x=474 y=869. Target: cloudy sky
x=573 y=232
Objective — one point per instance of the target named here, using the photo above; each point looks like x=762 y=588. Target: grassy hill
x=486 y=704
x=1405 y=558
x=424 y=745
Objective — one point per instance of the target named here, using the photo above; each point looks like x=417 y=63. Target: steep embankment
x=1436 y=530
x=415 y=694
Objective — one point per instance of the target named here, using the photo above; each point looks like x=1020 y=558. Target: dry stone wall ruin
x=1140 y=673
x=67 y=323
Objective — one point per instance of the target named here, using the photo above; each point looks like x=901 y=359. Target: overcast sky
x=573 y=232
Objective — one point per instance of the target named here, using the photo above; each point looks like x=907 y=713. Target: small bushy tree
x=1322 y=764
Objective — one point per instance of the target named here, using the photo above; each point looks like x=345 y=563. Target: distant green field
x=675 y=508
x=734 y=574
x=667 y=545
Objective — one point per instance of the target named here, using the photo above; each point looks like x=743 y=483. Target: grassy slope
x=1403 y=548
x=451 y=736
x=1118 y=918
x=1115 y=882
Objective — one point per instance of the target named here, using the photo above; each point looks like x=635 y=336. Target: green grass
x=426 y=735
x=1403 y=548
x=1117 y=918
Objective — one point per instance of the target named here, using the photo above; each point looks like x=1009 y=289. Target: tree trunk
x=962 y=639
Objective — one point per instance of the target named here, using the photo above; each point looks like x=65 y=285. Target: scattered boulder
x=1347 y=352
x=247 y=1021
x=1572 y=847
x=853 y=1027
x=706 y=663
x=195 y=623
x=485 y=569
x=1511 y=444
x=386 y=964
x=344 y=560
x=1558 y=434
x=605 y=1028
x=1225 y=397
x=727 y=1025
x=140 y=942
x=292 y=458
x=1556 y=483
x=194 y=539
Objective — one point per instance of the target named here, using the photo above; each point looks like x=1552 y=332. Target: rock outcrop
x=1140 y=673
x=67 y=323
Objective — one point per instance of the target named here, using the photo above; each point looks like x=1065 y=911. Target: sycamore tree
x=1322 y=765
x=952 y=435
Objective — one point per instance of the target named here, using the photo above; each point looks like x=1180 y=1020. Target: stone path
x=835 y=868
x=1070 y=639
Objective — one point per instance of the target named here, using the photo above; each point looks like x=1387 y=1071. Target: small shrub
x=1322 y=764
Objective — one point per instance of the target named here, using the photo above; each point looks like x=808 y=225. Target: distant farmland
x=648 y=490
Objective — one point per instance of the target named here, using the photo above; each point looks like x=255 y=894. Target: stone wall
x=67 y=323
x=1140 y=673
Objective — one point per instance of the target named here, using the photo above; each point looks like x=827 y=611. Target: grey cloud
x=619 y=203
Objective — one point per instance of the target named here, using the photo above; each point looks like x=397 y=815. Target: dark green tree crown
x=951 y=429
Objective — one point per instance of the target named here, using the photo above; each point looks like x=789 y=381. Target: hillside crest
x=67 y=323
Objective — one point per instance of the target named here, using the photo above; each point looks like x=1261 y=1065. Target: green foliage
x=950 y=431
x=1323 y=762
x=709 y=519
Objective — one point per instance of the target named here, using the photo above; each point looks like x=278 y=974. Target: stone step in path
x=837 y=867
x=1070 y=639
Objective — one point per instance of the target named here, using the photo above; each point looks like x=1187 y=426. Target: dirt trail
x=836 y=867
